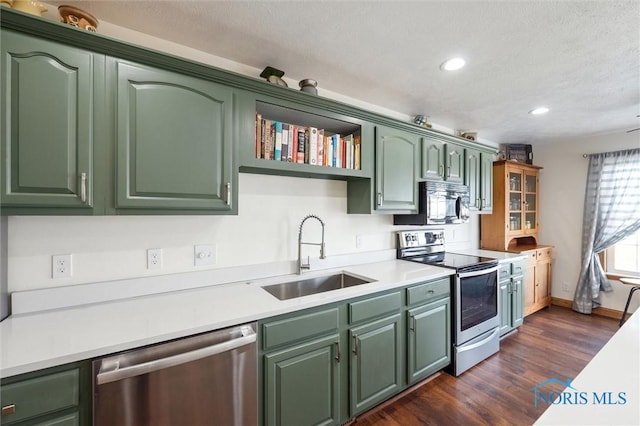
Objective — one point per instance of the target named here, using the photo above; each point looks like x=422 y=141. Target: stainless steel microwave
x=439 y=203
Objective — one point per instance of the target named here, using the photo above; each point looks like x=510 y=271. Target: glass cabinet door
x=515 y=201
x=530 y=203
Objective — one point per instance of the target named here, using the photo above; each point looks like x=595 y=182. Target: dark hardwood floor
x=555 y=342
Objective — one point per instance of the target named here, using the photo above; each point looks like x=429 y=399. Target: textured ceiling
x=579 y=58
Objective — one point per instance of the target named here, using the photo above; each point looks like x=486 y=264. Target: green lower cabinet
x=302 y=384
x=505 y=307
x=59 y=396
x=517 y=310
x=429 y=339
x=375 y=363
x=511 y=296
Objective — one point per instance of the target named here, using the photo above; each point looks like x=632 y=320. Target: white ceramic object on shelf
x=30 y=6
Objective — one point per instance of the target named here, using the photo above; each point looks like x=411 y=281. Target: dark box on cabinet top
x=521 y=153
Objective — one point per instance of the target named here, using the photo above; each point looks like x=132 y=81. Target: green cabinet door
x=397 y=168
x=47 y=121
x=472 y=177
x=486 y=181
x=375 y=363
x=429 y=339
x=432 y=159
x=506 y=299
x=517 y=302
x=302 y=384
x=174 y=140
x=454 y=163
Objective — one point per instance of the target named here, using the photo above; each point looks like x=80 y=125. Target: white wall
x=562 y=185
x=271 y=208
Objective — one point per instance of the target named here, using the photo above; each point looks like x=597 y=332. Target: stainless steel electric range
x=475 y=321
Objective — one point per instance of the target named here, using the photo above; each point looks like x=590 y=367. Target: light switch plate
x=204 y=254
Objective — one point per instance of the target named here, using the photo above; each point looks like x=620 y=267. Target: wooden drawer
x=374 y=307
x=532 y=256
x=429 y=291
x=39 y=396
x=300 y=327
x=543 y=254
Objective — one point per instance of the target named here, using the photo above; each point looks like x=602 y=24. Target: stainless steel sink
x=293 y=289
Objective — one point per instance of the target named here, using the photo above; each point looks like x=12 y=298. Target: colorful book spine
x=277 y=149
x=267 y=140
x=356 y=151
x=285 y=141
x=302 y=140
x=293 y=144
x=258 y=129
x=329 y=151
x=320 y=156
x=313 y=146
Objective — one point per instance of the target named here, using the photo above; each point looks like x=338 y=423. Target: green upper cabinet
x=442 y=160
x=397 y=169
x=479 y=178
x=48 y=123
x=174 y=141
x=454 y=170
x=432 y=159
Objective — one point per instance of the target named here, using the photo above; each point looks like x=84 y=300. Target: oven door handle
x=476 y=273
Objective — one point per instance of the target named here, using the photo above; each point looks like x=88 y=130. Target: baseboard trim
x=603 y=312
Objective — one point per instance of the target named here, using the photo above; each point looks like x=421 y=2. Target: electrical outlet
x=204 y=254
x=359 y=241
x=154 y=258
x=61 y=266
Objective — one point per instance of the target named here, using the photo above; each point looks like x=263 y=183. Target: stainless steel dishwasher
x=208 y=379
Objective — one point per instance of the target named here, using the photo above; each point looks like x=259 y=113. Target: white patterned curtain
x=611 y=213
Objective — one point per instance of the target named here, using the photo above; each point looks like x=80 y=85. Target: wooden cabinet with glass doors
x=515 y=207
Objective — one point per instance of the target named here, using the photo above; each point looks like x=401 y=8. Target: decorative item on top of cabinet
x=514 y=221
x=78 y=18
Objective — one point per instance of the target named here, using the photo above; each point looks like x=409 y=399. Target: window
x=623 y=259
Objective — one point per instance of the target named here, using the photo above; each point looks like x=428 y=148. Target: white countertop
x=35 y=341
x=615 y=369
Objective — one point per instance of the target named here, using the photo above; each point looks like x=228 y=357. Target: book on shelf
x=302 y=141
x=313 y=146
x=258 y=129
x=288 y=142
x=320 y=156
x=277 y=149
x=285 y=141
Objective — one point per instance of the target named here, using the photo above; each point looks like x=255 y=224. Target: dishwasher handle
x=171 y=361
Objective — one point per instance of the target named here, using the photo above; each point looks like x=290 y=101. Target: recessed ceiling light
x=539 y=111
x=452 y=64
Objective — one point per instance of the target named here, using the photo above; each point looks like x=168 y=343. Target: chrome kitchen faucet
x=307 y=265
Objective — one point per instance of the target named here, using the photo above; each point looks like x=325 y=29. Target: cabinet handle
x=8 y=409
x=481 y=203
x=355 y=345
x=83 y=187
x=338 y=353
x=228 y=188
x=478 y=203
x=441 y=170
x=448 y=171
x=412 y=323
x=379 y=198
